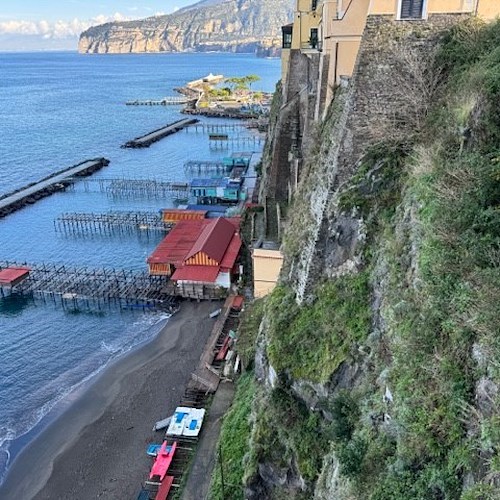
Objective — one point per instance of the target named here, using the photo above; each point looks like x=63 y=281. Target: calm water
x=57 y=109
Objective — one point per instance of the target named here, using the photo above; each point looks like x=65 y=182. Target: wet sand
x=97 y=448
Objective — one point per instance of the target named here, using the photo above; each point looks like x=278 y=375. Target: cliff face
x=225 y=25
x=377 y=356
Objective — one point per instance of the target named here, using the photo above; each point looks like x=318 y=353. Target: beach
x=97 y=447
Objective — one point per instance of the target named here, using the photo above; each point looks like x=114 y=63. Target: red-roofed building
x=199 y=252
x=11 y=276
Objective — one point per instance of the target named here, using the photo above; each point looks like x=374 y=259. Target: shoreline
x=98 y=443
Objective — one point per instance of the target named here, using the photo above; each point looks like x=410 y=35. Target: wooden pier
x=204 y=166
x=83 y=287
x=228 y=142
x=56 y=182
x=110 y=223
x=146 y=140
x=219 y=127
x=137 y=188
x=166 y=101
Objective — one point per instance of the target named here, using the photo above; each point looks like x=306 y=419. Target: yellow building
x=266 y=270
x=335 y=27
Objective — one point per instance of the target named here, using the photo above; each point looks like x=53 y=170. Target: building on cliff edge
x=320 y=52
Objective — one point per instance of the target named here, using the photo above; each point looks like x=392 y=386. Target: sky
x=53 y=25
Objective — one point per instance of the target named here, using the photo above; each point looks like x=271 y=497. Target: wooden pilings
x=110 y=223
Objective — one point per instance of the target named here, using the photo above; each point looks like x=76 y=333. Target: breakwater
x=58 y=181
x=146 y=140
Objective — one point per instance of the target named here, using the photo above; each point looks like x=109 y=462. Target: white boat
x=186 y=422
x=215 y=313
x=161 y=424
x=194 y=422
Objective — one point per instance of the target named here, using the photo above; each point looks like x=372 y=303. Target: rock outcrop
x=220 y=25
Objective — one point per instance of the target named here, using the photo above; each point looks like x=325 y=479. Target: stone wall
x=293 y=132
x=393 y=56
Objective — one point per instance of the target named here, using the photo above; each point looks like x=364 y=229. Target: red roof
x=178 y=244
x=11 y=275
x=238 y=302
x=205 y=274
x=232 y=252
x=214 y=239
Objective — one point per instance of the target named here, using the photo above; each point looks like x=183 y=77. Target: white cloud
x=57 y=29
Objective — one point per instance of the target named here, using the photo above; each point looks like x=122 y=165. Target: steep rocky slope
x=376 y=368
x=222 y=25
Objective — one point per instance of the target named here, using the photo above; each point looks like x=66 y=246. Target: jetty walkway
x=88 y=287
x=166 y=101
x=146 y=140
x=110 y=223
x=56 y=182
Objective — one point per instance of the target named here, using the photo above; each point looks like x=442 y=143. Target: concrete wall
x=267 y=266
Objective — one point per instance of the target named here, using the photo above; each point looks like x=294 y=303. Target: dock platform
x=146 y=140
x=55 y=182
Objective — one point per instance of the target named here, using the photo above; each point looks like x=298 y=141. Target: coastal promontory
x=210 y=25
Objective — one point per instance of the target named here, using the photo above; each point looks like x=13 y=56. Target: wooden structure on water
x=146 y=140
x=110 y=223
x=201 y=166
x=83 y=287
x=166 y=101
x=227 y=142
x=218 y=127
x=137 y=188
x=55 y=182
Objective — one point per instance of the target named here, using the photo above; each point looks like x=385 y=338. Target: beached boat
x=153 y=449
x=194 y=422
x=186 y=422
x=162 y=424
x=163 y=460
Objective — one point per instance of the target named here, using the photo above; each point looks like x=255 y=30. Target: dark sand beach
x=97 y=448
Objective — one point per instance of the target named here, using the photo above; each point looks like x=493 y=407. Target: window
x=313 y=40
x=412 y=9
x=287 y=37
x=314 y=4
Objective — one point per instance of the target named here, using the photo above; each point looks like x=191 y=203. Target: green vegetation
x=248 y=330
x=286 y=432
x=233 y=442
x=243 y=83
x=310 y=342
x=438 y=317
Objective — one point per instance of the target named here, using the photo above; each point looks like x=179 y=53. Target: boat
x=194 y=422
x=215 y=313
x=153 y=449
x=163 y=460
x=176 y=426
x=186 y=422
x=161 y=424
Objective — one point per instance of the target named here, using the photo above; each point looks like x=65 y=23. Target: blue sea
x=56 y=110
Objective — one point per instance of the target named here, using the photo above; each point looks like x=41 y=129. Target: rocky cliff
x=219 y=25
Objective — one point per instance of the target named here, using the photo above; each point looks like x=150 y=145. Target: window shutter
x=412 y=9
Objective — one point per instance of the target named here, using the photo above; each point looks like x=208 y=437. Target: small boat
x=186 y=422
x=194 y=422
x=161 y=424
x=215 y=313
x=153 y=449
x=176 y=425
x=163 y=460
